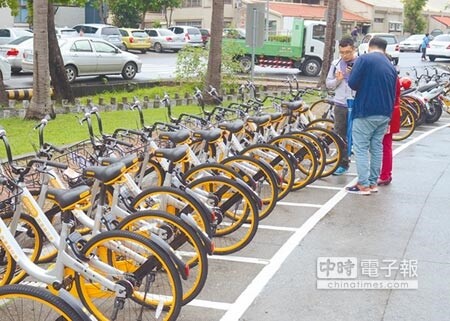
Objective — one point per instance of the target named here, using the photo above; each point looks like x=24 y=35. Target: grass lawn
x=65 y=129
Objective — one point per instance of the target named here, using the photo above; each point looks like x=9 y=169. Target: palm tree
x=330 y=39
x=213 y=74
x=40 y=103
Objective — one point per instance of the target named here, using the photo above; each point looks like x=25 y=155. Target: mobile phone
x=350 y=64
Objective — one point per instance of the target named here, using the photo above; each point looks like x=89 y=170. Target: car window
x=178 y=30
x=319 y=32
x=390 y=39
x=20 y=40
x=89 y=29
x=5 y=33
x=69 y=33
x=110 y=31
x=81 y=46
x=103 y=47
x=139 y=34
x=193 y=31
x=152 y=33
x=124 y=33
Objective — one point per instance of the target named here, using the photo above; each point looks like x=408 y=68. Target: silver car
x=105 y=32
x=10 y=34
x=165 y=39
x=14 y=50
x=91 y=57
x=412 y=43
x=192 y=35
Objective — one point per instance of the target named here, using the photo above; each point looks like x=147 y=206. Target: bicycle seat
x=69 y=199
x=129 y=160
x=178 y=137
x=232 y=127
x=173 y=154
x=276 y=117
x=209 y=136
x=106 y=174
x=261 y=121
x=292 y=105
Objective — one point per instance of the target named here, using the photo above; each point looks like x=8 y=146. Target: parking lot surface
x=404 y=227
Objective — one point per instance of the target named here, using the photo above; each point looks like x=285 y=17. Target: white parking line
x=335 y=188
x=243 y=302
x=299 y=204
x=240 y=259
x=210 y=304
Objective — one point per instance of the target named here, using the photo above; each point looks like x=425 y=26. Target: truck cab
x=314 y=46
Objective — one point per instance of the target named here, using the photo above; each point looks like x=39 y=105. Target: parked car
x=393 y=47
x=84 y=56
x=412 y=43
x=205 y=35
x=97 y=30
x=13 y=52
x=439 y=47
x=66 y=32
x=5 y=68
x=135 y=39
x=192 y=35
x=10 y=34
x=165 y=39
x=235 y=33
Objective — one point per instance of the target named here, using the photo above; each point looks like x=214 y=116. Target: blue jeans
x=367 y=136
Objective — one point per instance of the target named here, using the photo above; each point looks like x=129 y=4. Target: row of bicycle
x=120 y=226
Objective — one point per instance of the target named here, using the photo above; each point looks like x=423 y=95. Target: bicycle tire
x=321 y=109
x=407 y=123
x=181 y=237
x=25 y=302
x=163 y=303
x=237 y=207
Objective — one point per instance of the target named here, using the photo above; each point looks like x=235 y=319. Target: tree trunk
x=330 y=40
x=3 y=94
x=40 y=103
x=213 y=74
x=61 y=86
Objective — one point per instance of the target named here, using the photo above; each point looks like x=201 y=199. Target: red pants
x=386 y=166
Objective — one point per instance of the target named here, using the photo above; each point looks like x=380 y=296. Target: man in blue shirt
x=424 y=45
x=373 y=77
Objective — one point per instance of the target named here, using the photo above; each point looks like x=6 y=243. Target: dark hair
x=378 y=42
x=346 y=41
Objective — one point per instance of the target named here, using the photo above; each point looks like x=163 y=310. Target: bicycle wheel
x=318 y=150
x=305 y=155
x=407 y=123
x=211 y=169
x=154 y=175
x=181 y=237
x=153 y=284
x=237 y=206
x=7 y=266
x=263 y=175
x=332 y=144
x=322 y=109
x=23 y=302
x=174 y=201
x=29 y=236
x=280 y=160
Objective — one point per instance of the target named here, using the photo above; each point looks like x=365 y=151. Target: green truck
x=304 y=51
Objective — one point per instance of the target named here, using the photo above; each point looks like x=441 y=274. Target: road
x=162 y=66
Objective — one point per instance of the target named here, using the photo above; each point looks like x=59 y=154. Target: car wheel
x=432 y=58
x=71 y=73
x=311 y=67
x=129 y=71
x=143 y=51
x=245 y=63
x=157 y=46
x=125 y=47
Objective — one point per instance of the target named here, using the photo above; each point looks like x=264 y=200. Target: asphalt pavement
x=383 y=257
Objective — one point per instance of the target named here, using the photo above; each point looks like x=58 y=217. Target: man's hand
x=339 y=75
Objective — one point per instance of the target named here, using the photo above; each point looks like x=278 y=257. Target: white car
x=439 y=47
x=5 y=68
x=84 y=56
x=164 y=39
x=14 y=50
x=412 y=43
x=192 y=35
x=393 y=48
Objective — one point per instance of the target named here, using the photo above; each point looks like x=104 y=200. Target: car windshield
x=442 y=38
x=164 y=32
x=415 y=37
x=139 y=34
x=193 y=31
x=390 y=40
x=110 y=31
x=18 y=41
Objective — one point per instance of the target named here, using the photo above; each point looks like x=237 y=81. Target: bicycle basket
x=9 y=194
x=32 y=179
x=77 y=157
